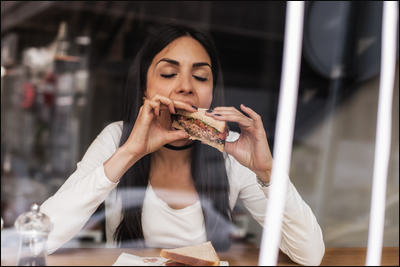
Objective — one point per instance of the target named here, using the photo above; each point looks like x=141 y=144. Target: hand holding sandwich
x=251 y=149
x=148 y=133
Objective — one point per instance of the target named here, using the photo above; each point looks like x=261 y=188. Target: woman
x=162 y=189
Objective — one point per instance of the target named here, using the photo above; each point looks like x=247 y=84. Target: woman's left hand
x=251 y=149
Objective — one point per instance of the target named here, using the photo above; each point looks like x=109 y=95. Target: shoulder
x=114 y=127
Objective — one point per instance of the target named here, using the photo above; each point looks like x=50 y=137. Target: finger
x=184 y=105
x=173 y=104
x=219 y=113
x=256 y=118
x=176 y=135
x=209 y=112
x=164 y=102
x=152 y=107
x=234 y=117
x=231 y=114
x=224 y=111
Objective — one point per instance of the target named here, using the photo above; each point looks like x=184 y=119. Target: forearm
x=71 y=207
x=301 y=235
x=118 y=164
x=302 y=238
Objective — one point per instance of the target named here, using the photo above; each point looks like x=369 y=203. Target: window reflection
x=64 y=68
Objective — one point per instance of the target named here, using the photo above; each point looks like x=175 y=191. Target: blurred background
x=64 y=66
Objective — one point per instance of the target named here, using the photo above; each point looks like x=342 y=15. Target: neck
x=172 y=158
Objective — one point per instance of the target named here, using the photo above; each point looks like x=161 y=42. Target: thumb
x=230 y=147
x=176 y=135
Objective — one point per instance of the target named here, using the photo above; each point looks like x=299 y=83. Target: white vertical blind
x=271 y=235
x=383 y=132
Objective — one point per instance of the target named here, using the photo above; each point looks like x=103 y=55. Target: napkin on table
x=126 y=259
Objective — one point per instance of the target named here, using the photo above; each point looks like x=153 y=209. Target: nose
x=185 y=86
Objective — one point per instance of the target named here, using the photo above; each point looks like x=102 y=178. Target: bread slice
x=201 y=115
x=198 y=255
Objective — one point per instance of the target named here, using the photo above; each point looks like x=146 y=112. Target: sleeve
x=78 y=198
x=302 y=237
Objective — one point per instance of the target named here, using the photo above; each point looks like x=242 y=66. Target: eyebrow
x=174 y=62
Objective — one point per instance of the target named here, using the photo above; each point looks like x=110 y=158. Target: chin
x=181 y=142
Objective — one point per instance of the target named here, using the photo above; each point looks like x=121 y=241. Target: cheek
x=157 y=86
x=205 y=98
x=150 y=92
x=151 y=87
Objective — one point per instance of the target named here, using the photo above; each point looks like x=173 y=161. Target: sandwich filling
x=174 y=263
x=200 y=129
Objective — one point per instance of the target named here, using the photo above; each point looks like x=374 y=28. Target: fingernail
x=209 y=110
x=218 y=115
x=194 y=107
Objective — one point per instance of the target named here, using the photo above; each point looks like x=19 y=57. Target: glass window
x=65 y=64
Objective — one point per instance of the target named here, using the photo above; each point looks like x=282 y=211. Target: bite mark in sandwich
x=202 y=127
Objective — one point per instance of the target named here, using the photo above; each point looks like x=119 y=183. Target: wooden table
x=238 y=255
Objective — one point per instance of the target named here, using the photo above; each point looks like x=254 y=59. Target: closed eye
x=168 y=76
x=201 y=79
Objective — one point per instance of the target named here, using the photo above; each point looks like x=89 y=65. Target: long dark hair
x=208 y=164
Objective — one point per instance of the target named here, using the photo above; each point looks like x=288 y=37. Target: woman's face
x=181 y=71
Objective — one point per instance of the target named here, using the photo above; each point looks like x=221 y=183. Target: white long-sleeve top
x=81 y=194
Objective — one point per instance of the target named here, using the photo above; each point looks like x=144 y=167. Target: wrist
x=264 y=177
x=116 y=166
x=261 y=183
x=129 y=157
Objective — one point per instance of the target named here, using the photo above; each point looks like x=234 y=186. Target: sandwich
x=201 y=127
x=198 y=255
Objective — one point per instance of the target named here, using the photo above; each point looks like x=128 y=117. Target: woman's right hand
x=148 y=135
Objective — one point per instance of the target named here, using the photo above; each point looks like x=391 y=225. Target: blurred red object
x=28 y=95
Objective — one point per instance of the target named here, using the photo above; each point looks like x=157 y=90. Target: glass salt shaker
x=33 y=228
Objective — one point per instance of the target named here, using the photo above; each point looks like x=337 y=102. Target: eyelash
x=200 y=78
x=169 y=76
